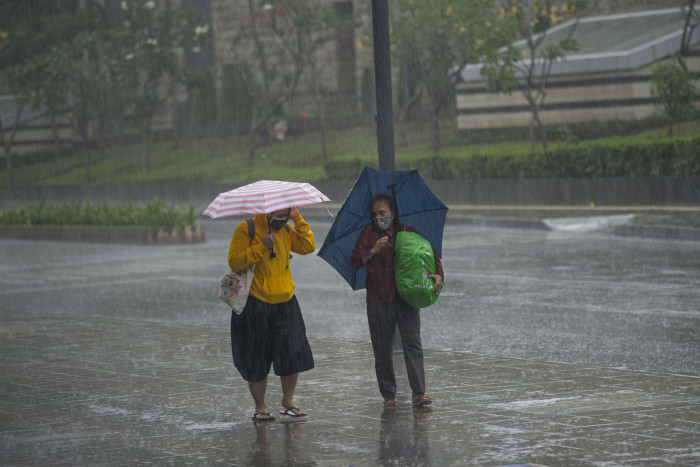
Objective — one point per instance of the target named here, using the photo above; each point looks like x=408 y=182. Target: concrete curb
x=106 y=234
x=195 y=234
x=664 y=232
x=503 y=222
x=668 y=232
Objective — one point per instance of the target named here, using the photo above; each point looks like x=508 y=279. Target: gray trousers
x=383 y=319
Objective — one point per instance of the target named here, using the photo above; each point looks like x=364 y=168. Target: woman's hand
x=438 y=281
x=381 y=243
x=269 y=240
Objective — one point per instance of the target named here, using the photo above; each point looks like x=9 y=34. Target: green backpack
x=413 y=261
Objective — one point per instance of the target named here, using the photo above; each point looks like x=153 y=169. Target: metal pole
x=384 y=118
x=382 y=82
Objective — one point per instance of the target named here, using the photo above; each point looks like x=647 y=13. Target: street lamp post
x=384 y=117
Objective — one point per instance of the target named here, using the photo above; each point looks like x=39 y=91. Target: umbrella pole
x=392 y=187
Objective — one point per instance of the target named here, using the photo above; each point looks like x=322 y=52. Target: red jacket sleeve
x=362 y=247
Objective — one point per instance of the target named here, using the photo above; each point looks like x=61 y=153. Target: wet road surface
x=544 y=347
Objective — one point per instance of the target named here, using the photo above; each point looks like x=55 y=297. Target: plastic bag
x=235 y=286
x=413 y=262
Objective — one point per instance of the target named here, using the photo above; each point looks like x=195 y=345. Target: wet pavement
x=547 y=348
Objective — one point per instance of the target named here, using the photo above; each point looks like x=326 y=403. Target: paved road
x=587 y=298
x=546 y=348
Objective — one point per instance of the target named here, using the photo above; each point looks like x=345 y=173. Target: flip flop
x=291 y=412
x=262 y=417
x=421 y=399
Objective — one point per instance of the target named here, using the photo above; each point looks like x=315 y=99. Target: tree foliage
x=286 y=36
x=437 y=39
x=95 y=83
x=527 y=65
x=104 y=67
x=28 y=31
x=152 y=38
x=673 y=87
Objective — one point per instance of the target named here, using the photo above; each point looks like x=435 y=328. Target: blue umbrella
x=416 y=205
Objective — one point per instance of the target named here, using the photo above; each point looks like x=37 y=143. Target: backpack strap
x=251 y=231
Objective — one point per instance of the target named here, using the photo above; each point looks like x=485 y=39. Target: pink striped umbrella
x=263 y=197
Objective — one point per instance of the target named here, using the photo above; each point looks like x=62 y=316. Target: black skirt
x=265 y=334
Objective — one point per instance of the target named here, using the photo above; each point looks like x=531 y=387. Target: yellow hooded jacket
x=272 y=281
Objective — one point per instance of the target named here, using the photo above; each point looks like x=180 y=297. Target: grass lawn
x=297 y=158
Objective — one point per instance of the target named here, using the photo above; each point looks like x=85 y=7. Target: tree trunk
x=687 y=29
x=252 y=143
x=7 y=145
x=435 y=132
x=321 y=106
x=146 y=137
x=146 y=155
x=88 y=160
x=540 y=128
x=669 y=128
x=80 y=120
x=403 y=116
x=8 y=163
x=543 y=133
x=54 y=129
x=266 y=85
x=323 y=125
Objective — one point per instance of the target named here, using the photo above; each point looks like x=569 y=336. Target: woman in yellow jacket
x=271 y=330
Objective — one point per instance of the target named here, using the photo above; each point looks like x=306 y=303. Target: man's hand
x=293 y=212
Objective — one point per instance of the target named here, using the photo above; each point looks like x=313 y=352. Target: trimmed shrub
x=154 y=214
x=656 y=158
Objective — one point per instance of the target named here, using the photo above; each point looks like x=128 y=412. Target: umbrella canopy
x=416 y=204
x=263 y=197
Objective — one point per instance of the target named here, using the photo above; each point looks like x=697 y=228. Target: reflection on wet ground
x=90 y=390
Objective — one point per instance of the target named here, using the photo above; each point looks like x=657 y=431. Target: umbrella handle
x=392 y=187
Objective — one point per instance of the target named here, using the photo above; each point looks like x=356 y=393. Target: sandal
x=263 y=417
x=293 y=412
x=391 y=402
x=421 y=399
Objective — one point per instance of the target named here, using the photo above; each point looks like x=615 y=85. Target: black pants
x=383 y=318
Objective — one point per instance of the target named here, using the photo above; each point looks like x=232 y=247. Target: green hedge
x=154 y=214
x=570 y=132
x=679 y=157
